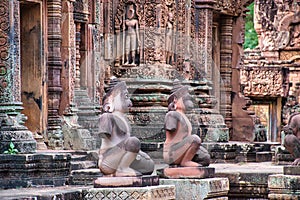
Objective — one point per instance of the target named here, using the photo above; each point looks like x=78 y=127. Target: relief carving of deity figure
x=120 y=153
x=132 y=40
x=169 y=38
x=181 y=147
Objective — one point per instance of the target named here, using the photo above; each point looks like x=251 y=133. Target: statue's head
x=116 y=98
x=130 y=11
x=171 y=16
x=180 y=98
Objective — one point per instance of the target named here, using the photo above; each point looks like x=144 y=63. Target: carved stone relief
x=263 y=82
x=277 y=24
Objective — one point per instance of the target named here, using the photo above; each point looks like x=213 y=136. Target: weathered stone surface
x=209 y=188
x=187 y=172
x=25 y=170
x=247 y=180
x=263 y=156
x=160 y=192
x=284 y=187
x=138 y=181
x=291 y=170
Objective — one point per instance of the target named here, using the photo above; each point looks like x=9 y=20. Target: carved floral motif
x=4 y=54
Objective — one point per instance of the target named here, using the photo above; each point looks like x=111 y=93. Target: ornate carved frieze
x=231 y=7
x=263 y=81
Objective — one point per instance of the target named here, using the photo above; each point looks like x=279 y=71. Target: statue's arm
x=105 y=124
x=171 y=121
x=137 y=32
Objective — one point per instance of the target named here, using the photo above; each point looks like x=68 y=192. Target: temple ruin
x=57 y=58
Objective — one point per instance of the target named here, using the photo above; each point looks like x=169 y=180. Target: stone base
x=138 y=181
x=161 y=192
x=210 y=188
x=27 y=170
x=284 y=187
x=187 y=172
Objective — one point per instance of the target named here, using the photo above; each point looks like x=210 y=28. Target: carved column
x=55 y=136
x=77 y=69
x=225 y=68
x=11 y=120
x=203 y=31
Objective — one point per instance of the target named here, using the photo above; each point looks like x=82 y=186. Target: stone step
x=76 y=165
x=84 y=176
x=79 y=157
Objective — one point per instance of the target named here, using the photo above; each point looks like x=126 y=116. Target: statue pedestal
x=137 y=181
x=285 y=186
x=188 y=172
x=162 y=192
x=209 y=188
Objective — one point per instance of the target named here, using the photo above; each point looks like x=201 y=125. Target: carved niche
x=161 y=27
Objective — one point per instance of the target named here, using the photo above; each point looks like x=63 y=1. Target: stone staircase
x=84 y=168
x=87 y=113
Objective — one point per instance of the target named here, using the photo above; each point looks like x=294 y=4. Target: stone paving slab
x=45 y=193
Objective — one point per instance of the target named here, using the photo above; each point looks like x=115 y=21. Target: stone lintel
x=138 y=181
x=188 y=172
x=210 y=188
x=161 y=192
x=291 y=170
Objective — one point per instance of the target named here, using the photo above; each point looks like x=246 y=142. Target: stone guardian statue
x=120 y=153
x=181 y=147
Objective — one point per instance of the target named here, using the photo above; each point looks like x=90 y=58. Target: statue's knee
x=133 y=144
x=290 y=140
x=196 y=140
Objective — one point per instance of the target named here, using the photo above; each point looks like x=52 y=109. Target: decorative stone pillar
x=55 y=136
x=225 y=68
x=11 y=120
x=203 y=31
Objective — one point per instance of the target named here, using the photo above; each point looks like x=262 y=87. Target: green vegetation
x=251 y=40
x=11 y=150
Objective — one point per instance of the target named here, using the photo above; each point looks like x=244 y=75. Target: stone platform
x=247 y=180
x=138 y=181
x=159 y=192
x=198 y=189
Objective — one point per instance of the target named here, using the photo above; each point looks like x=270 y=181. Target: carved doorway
x=269 y=115
x=32 y=66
